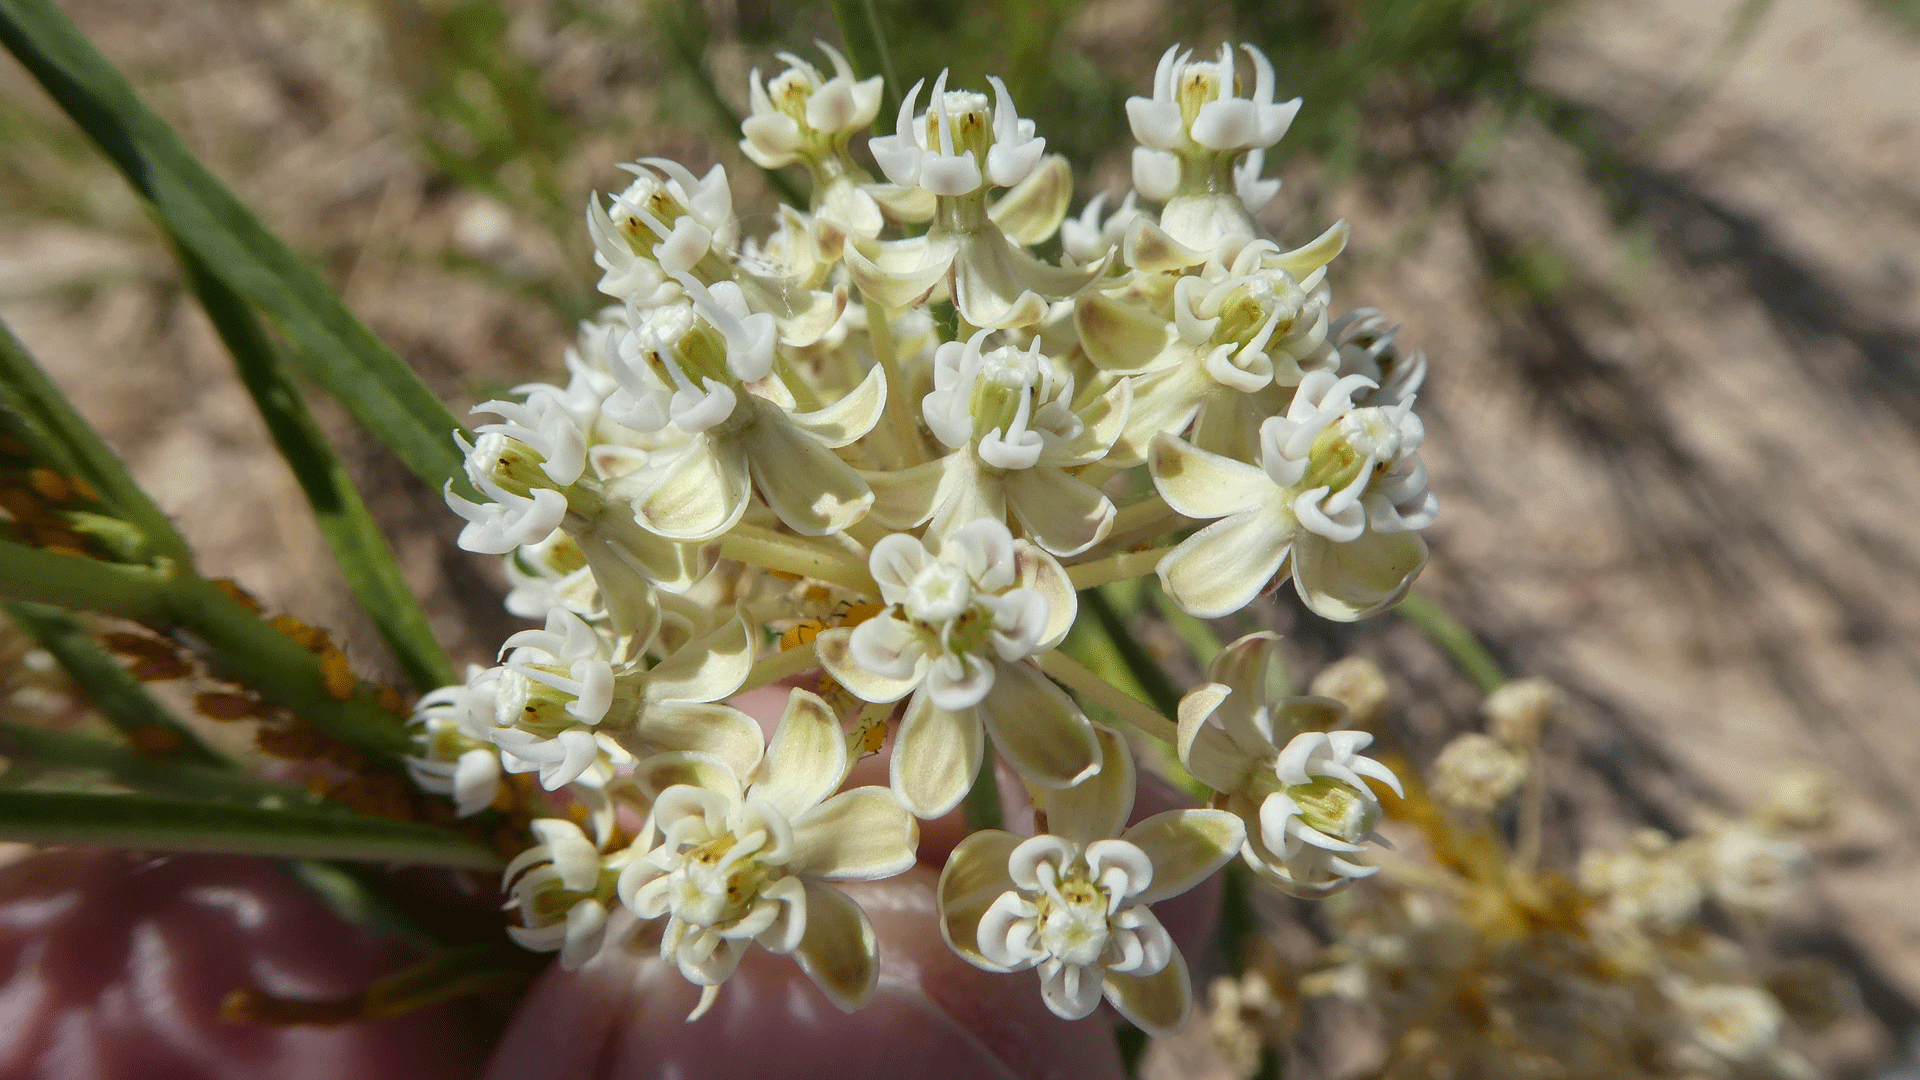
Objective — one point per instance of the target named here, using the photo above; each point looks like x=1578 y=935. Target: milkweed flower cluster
x=878 y=450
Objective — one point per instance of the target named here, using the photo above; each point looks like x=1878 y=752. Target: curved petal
x=1031 y=211
x=838 y=952
x=831 y=649
x=1035 y=569
x=905 y=499
x=1220 y=569
x=975 y=876
x=859 y=835
x=1203 y=485
x=706 y=669
x=1205 y=749
x=1345 y=582
x=997 y=284
x=1186 y=847
x=1037 y=728
x=807 y=759
x=698 y=495
x=897 y=273
x=727 y=734
x=811 y=490
x=1156 y=1004
x=1062 y=513
x=852 y=416
x=936 y=755
x=705 y=771
x=1096 y=807
x=1120 y=336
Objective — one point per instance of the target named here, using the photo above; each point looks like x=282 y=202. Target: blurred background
x=1663 y=257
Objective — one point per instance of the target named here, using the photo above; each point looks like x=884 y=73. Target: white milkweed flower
x=1335 y=502
x=708 y=375
x=1074 y=902
x=730 y=858
x=1191 y=133
x=1284 y=767
x=1007 y=414
x=956 y=633
x=800 y=116
x=1089 y=237
x=1364 y=340
x=666 y=215
x=1751 y=870
x=552 y=573
x=457 y=759
x=963 y=142
x=562 y=704
x=524 y=508
x=561 y=888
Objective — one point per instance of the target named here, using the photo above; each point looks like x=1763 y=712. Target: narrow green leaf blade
x=46 y=418
x=358 y=546
x=60 y=760
x=120 y=697
x=337 y=351
x=69 y=581
x=148 y=823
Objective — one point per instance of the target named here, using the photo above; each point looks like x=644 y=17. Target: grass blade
x=334 y=348
x=358 y=546
x=119 y=696
x=71 y=581
x=38 y=755
x=149 y=823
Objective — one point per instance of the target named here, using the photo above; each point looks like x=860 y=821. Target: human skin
x=117 y=964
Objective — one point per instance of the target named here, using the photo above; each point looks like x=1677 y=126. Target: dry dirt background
x=1679 y=477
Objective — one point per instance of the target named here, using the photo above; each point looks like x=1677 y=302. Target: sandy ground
x=1681 y=481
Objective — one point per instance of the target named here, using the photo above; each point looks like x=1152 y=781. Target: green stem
x=1083 y=681
x=780 y=666
x=70 y=581
x=1117 y=567
x=1455 y=640
x=121 y=698
x=798 y=555
x=867 y=53
x=900 y=406
x=1149 y=674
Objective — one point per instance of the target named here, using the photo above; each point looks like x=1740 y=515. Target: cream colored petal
x=808 y=487
x=974 y=877
x=898 y=274
x=1097 y=807
x=1205 y=750
x=859 y=835
x=903 y=203
x=998 y=284
x=1031 y=211
x=1203 y=485
x=1346 y=582
x=1121 y=336
x=1251 y=666
x=831 y=648
x=1102 y=420
x=852 y=416
x=1157 y=1004
x=662 y=771
x=839 y=952
x=936 y=755
x=967 y=494
x=905 y=499
x=721 y=731
x=1150 y=248
x=1061 y=512
x=1314 y=254
x=807 y=759
x=706 y=669
x=1038 y=729
x=1220 y=569
x=1186 y=847
x=700 y=494
x=1035 y=569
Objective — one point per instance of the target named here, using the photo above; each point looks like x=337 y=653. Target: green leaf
x=58 y=760
x=120 y=697
x=1454 y=639
x=245 y=648
x=42 y=417
x=70 y=581
x=358 y=547
x=202 y=215
x=150 y=823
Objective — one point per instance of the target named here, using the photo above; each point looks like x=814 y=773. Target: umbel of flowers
x=875 y=453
